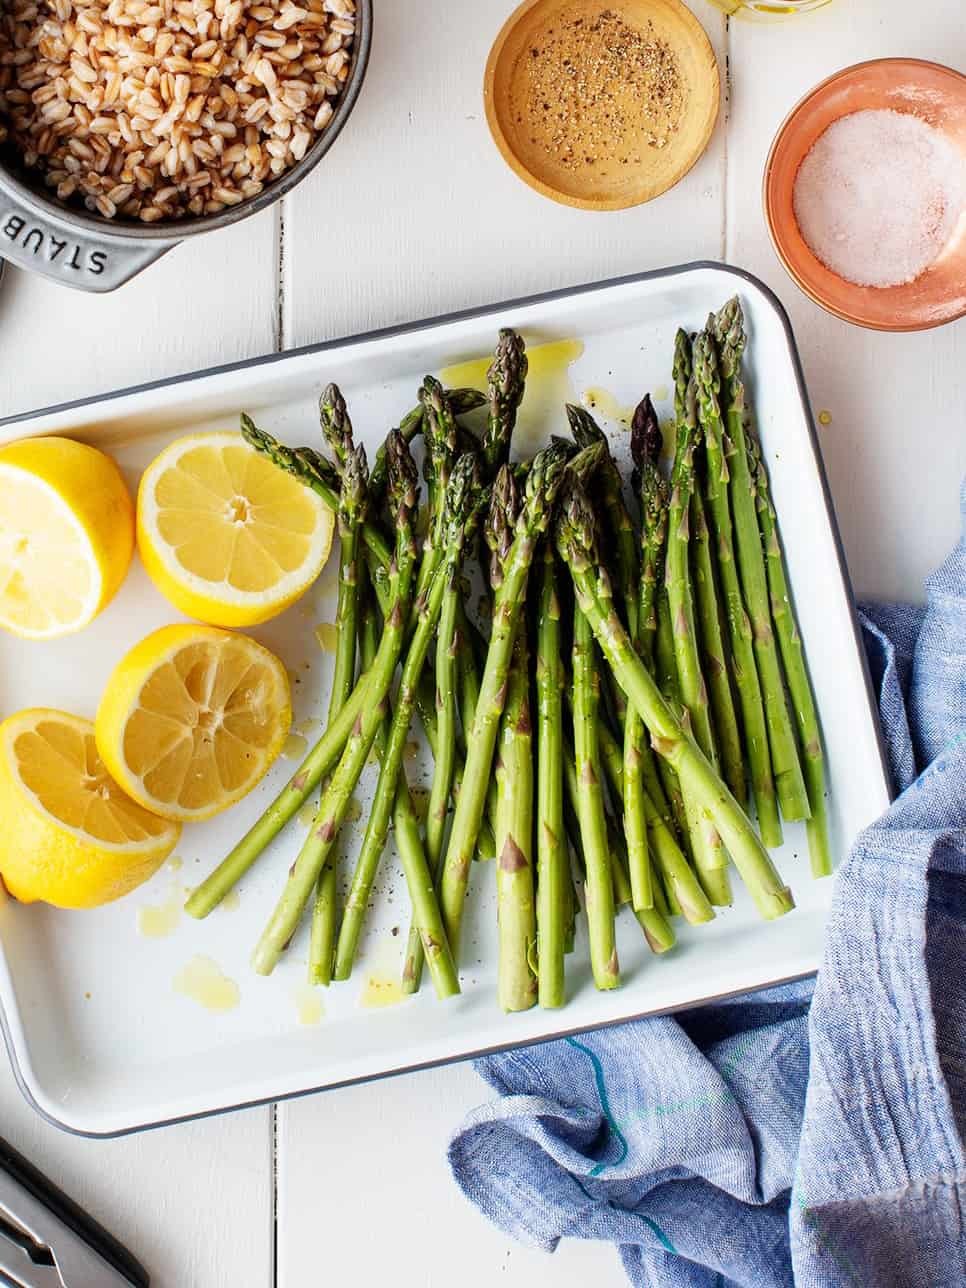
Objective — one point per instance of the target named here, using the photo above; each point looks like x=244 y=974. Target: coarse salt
x=879 y=195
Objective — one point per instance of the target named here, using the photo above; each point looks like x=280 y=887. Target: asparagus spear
x=318 y=844
x=461 y=400
x=655 y=640
x=706 y=600
x=667 y=856
x=653 y=921
x=517 y=984
x=352 y=503
x=715 y=654
x=543 y=482
x=461 y=500
x=586 y=431
x=427 y=918
x=505 y=384
x=554 y=891
x=709 y=855
x=653 y=498
x=514 y=778
x=789 y=782
x=694 y=694
x=447 y=649
x=440 y=435
x=658 y=931
x=796 y=670
x=576 y=541
x=599 y=895
x=744 y=668
x=729 y=333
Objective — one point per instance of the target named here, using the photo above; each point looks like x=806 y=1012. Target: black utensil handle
x=73 y=1216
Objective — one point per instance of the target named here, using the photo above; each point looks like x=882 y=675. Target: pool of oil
x=203 y=981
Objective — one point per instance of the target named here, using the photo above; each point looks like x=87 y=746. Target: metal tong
x=47 y=1241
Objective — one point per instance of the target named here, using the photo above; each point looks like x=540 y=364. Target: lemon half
x=66 y=535
x=225 y=535
x=192 y=718
x=70 y=836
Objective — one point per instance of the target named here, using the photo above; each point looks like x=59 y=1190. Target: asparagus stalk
x=576 y=541
x=709 y=855
x=447 y=649
x=789 y=782
x=469 y=696
x=658 y=931
x=352 y=501
x=694 y=694
x=440 y=435
x=505 y=384
x=318 y=844
x=682 y=885
x=599 y=893
x=517 y=984
x=655 y=642
x=461 y=499
x=554 y=889
x=653 y=498
x=405 y=822
x=586 y=432
x=796 y=671
x=653 y=921
x=715 y=654
x=543 y=482
x=744 y=668
x=461 y=400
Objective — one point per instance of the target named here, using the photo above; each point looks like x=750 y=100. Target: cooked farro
x=158 y=109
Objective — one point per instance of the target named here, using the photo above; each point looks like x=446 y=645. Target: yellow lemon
x=66 y=535
x=70 y=836
x=192 y=718
x=225 y=535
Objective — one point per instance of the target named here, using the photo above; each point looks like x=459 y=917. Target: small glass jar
x=768 y=10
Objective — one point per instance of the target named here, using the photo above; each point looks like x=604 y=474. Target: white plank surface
x=364 y=1189
x=412 y=215
x=416 y=214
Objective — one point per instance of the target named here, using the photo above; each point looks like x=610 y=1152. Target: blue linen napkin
x=808 y=1134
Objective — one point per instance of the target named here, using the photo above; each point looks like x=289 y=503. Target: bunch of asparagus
x=600 y=737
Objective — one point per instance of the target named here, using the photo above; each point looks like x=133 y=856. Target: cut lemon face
x=66 y=535
x=225 y=535
x=192 y=718
x=70 y=836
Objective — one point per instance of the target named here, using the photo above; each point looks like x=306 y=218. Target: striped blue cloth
x=809 y=1134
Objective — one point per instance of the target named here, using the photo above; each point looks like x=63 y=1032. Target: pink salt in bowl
x=937 y=95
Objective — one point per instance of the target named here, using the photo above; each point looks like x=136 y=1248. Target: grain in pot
x=164 y=109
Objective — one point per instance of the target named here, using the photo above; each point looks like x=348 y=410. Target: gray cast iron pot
x=87 y=252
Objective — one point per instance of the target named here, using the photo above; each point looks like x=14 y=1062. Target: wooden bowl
x=622 y=168
x=934 y=93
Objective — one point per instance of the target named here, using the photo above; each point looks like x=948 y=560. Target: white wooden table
x=413 y=215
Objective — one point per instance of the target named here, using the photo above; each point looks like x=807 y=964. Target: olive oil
x=203 y=980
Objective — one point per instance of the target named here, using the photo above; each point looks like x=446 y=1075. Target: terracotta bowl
x=523 y=135
x=936 y=94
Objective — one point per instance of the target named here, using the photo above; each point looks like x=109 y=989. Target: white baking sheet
x=101 y=1040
